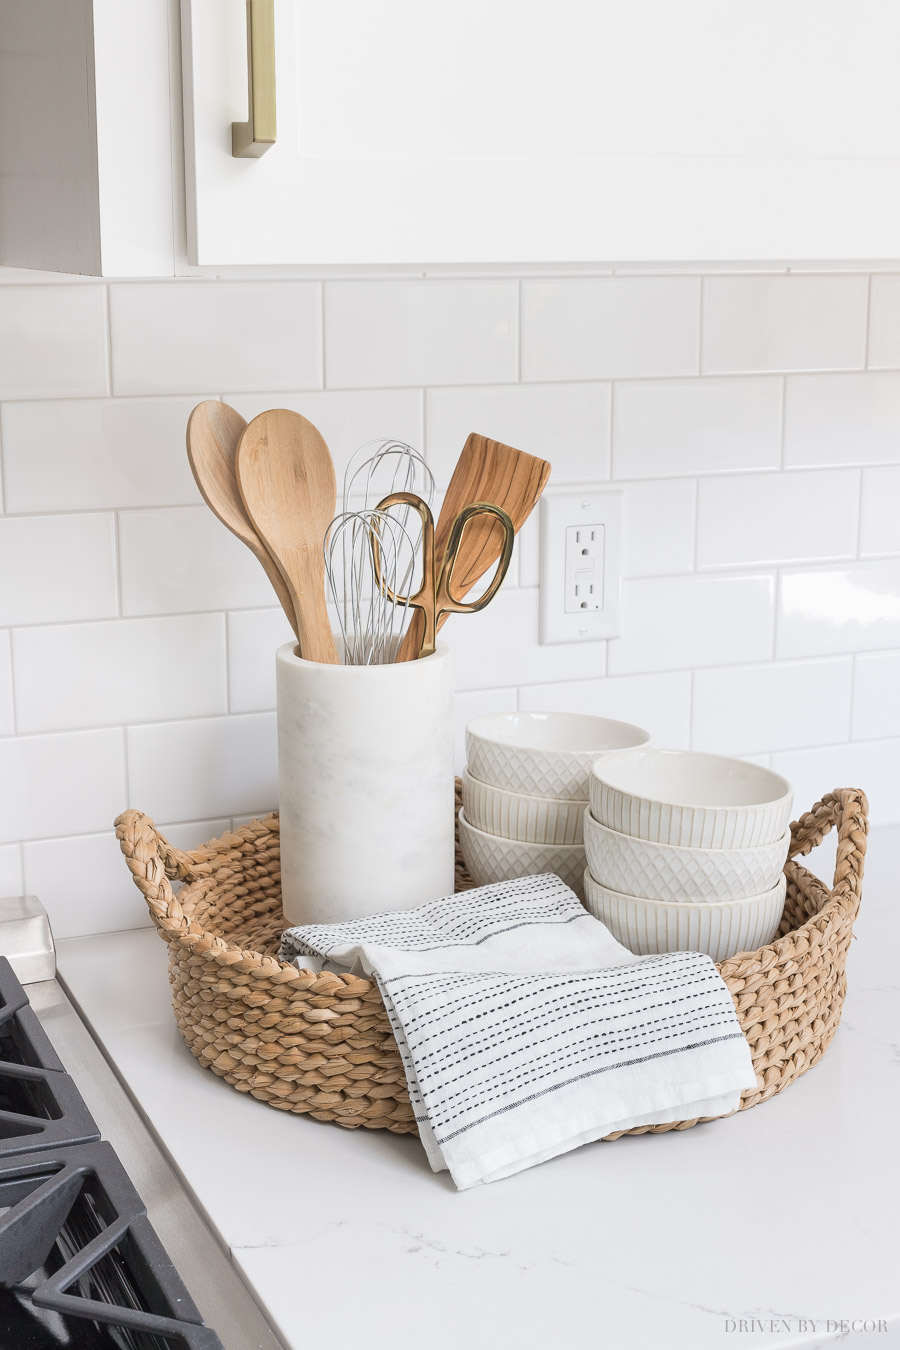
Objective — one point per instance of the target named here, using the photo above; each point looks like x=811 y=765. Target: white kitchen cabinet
x=483 y=131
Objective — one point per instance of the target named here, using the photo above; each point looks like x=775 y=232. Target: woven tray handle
x=848 y=809
x=154 y=864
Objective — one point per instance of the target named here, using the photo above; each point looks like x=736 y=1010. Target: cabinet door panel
x=582 y=130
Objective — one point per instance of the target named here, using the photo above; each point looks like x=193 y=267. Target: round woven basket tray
x=321 y=1043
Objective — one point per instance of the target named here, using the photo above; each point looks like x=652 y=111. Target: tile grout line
x=322 y=360
x=868 y=321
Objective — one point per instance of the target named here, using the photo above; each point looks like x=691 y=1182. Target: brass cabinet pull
x=253 y=138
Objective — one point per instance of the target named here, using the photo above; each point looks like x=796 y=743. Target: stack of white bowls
x=686 y=851
x=525 y=792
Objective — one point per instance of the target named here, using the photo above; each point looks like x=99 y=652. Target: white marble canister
x=365 y=773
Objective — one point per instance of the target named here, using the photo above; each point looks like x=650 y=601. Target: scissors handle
x=445 y=601
x=424 y=598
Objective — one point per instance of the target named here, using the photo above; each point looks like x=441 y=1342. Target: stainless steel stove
x=81 y=1264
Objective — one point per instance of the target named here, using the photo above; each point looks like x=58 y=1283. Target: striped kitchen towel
x=526 y=1030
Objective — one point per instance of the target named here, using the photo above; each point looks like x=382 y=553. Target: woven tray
x=321 y=1043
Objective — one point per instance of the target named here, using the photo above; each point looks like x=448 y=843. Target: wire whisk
x=371 y=621
x=381 y=467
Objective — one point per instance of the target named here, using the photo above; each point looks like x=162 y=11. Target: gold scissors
x=435 y=597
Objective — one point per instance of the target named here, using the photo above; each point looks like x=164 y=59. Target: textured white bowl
x=720 y=928
x=490 y=858
x=689 y=798
x=513 y=815
x=544 y=754
x=668 y=872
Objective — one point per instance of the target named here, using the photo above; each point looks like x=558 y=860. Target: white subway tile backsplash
x=181 y=560
x=72 y=783
x=851 y=608
x=420 y=332
x=609 y=327
x=7 y=715
x=11 y=882
x=761 y=323
x=175 y=337
x=220 y=766
x=884 y=322
x=567 y=424
x=870 y=765
x=658 y=531
x=84 y=883
x=876 y=705
x=661 y=704
x=96 y=454
x=841 y=419
x=499 y=646
x=129 y=670
x=610 y=366
x=879 y=520
x=348 y=419
x=57 y=568
x=52 y=341
x=254 y=636
x=779 y=706
x=777 y=517
x=477 y=704
x=674 y=622
x=666 y=427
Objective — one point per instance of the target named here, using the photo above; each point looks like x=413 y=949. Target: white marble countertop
x=775 y=1228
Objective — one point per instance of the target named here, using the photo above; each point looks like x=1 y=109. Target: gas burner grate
x=40 y=1106
x=81 y=1268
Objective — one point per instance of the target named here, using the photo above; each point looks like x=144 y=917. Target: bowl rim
x=781 y=883
x=525 y=796
x=591 y=821
x=471 y=730
x=754 y=807
x=518 y=843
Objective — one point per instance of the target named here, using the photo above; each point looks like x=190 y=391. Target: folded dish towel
x=526 y=1030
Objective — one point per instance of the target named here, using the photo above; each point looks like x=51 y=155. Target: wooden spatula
x=285 y=477
x=486 y=471
x=213 y=432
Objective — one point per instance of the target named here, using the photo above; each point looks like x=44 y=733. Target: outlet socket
x=580 y=564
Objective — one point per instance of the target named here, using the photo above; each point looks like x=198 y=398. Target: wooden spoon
x=213 y=433
x=285 y=477
x=487 y=471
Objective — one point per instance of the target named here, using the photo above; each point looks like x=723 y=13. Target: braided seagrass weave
x=322 y=1044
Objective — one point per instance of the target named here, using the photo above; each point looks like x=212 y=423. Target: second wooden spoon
x=286 y=480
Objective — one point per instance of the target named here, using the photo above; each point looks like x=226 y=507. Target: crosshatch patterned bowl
x=490 y=858
x=720 y=928
x=320 y=1043
x=544 y=754
x=668 y=872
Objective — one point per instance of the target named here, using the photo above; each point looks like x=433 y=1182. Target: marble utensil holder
x=366 y=790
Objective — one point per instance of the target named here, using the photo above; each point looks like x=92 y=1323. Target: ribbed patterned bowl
x=513 y=815
x=719 y=928
x=490 y=858
x=691 y=799
x=668 y=872
x=543 y=754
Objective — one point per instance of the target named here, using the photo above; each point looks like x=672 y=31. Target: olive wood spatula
x=487 y=471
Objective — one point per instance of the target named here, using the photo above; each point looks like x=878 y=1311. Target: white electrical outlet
x=580 y=564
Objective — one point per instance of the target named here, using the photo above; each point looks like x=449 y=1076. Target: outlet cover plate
x=562 y=510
